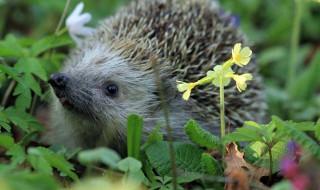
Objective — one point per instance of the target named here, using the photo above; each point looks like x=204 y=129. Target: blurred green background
x=268 y=25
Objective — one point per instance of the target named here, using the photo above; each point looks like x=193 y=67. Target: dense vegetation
x=282 y=154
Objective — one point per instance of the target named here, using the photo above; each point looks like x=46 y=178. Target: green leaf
x=202 y=137
x=22 y=119
x=104 y=155
x=304 y=126
x=156 y=135
x=243 y=134
x=49 y=42
x=134 y=131
x=55 y=160
x=23 y=100
x=300 y=137
x=188 y=177
x=188 y=157
x=39 y=164
x=17 y=154
x=129 y=164
x=27 y=138
x=11 y=47
x=210 y=165
x=257 y=153
x=4 y=122
x=283 y=185
x=6 y=141
x=32 y=84
x=15 y=179
x=317 y=131
x=132 y=168
x=13 y=74
x=31 y=65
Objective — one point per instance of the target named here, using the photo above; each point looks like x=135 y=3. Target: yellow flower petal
x=182 y=87
x=240 y=56
x=245 y=61
x=186 y=94
x=237 y=48
x=245 y=52
x=248 y=76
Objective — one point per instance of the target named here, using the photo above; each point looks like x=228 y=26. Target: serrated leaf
x=40 y=164
x=23 y=100
x=104 y=155
x=13 y=74
x=202 y=137
x=210 y=165
x=31 y=65
x=134 y=131
x=32 y=84
x=17 y=117
x=188 y=157
x=22 y=119
x=47 y=43
x=55 y=160
x=243 y=134
x=10 y=47
x=257 y=154
x=300 y=137
x=17 y=154
x=156 y=135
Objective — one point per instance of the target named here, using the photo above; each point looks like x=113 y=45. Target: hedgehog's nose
x=58 y=80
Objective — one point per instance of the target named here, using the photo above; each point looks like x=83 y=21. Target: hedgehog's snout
x=58 y=80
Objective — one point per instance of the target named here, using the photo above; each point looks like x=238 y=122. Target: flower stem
x=222 y=122
x=227 y=64
x=270 y=164
x=292 y=67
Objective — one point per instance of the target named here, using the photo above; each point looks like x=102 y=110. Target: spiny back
x=188 y=38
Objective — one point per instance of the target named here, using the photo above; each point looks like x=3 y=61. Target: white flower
x=75 y=23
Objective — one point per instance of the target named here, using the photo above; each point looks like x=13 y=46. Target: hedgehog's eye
x=111 y=89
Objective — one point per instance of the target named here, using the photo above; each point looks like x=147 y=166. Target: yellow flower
x=186 y=88
x=219 y=71
x=240 y=56
x=241 y=81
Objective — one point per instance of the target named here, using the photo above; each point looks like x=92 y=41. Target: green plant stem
x=62 y=17
x=227 y=64
x=8 y=92
x=292 y=67
x=222 y=122
x=270 y=164
x=168 y=128
x=33 y=104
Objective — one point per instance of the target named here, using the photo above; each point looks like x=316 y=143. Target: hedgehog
x=110 y=75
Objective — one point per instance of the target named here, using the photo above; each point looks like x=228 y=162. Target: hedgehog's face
x=99 y=85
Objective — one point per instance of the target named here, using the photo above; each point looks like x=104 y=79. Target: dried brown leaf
x=234 y=160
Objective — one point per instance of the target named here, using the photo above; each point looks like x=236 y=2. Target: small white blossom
x=75 y=24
